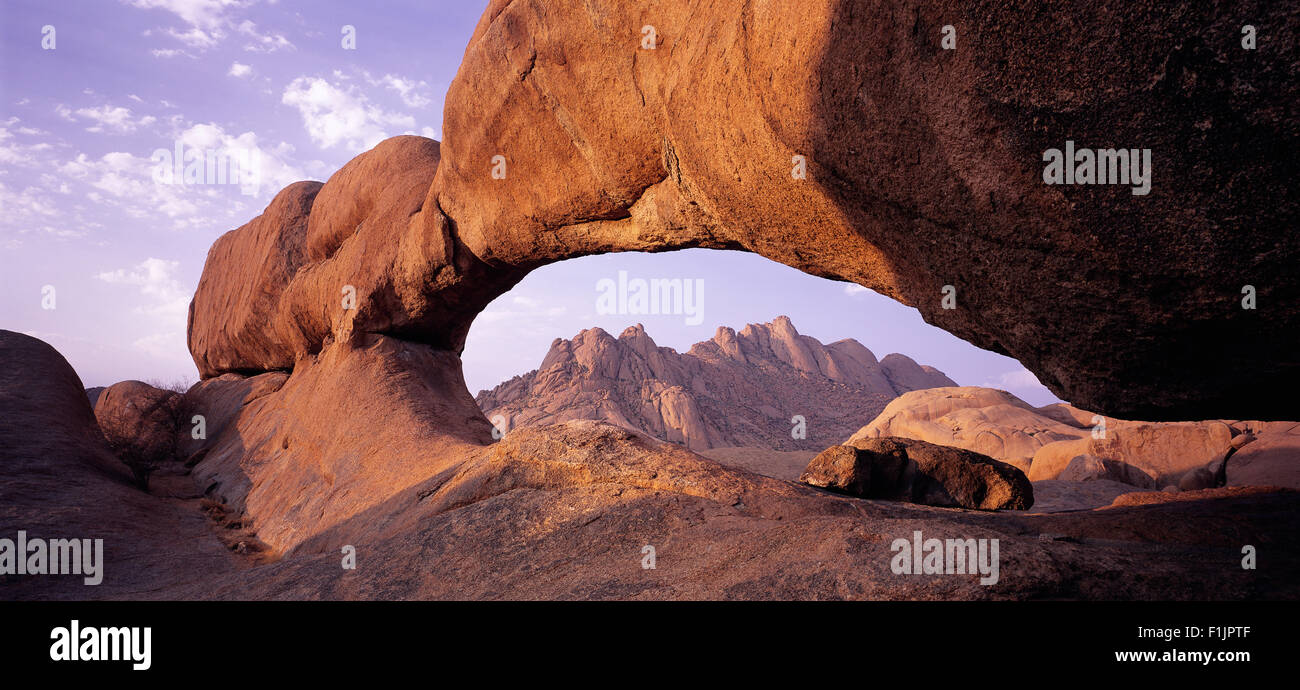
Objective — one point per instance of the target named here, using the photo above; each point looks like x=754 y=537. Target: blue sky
x=82 y=213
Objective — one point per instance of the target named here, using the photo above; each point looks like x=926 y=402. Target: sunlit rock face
x=850 y=144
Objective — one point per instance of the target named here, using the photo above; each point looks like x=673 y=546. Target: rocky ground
x=558 y=512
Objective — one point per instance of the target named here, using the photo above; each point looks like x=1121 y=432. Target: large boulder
x=142 y=425
x=899 y=469
x=985 y=420
x=1083 y=468
x=370 y=251
x=232 y=319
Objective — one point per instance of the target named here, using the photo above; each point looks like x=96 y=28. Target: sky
x=99 y=256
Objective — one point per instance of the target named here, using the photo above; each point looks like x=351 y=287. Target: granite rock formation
x=1061 y=441
x=739 y=389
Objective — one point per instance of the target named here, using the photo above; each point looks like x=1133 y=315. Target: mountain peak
x=735 y=389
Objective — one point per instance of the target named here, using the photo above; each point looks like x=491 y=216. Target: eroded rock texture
x=566 y=135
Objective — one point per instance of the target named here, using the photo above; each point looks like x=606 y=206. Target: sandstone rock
x=1197 y=479
x=59 y=480
x=608 y=146
x=1053 y=496
x=736 y=390
x=905 y=187
x=1056 y=441
x=1272 y=459
x=232 y=322
x=984 y=420
x=839 y=468
x=219 y=401
x=1069 y=415
x=1171 y=494
x=910 y=188
x=561 y=512
x=1091 y=467
x=348 y=430
x=383 y=187
x=919 y=472
x=380 y=258
x=1164 y=451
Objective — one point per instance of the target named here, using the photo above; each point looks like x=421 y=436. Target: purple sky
x=82 y=213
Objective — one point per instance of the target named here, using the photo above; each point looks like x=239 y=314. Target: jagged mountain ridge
x=737 y=389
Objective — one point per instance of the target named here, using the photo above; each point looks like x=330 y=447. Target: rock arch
x=923 y=168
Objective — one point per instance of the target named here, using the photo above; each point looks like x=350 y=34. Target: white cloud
x=156 y=279
x=260 y=42
x=855 y=290
x=197 y=38
x=117 y=119
x=206 y=14
x=209 y=22
x=169 y=52
x=273 y=169
x=29 y=205
x=408 y=89
x=14 y=153
x=335 y=115
x=240 y=70
x=128 y=181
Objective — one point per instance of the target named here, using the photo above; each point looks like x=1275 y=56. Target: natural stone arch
x=612 y=147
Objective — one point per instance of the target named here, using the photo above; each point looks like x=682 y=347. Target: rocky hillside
x=738 y=389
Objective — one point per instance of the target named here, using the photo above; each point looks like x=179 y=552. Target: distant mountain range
x=737 y=389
